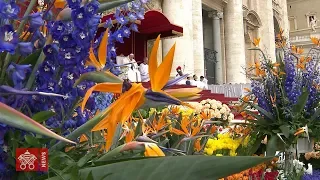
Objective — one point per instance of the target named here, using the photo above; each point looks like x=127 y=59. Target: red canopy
x=153 y=24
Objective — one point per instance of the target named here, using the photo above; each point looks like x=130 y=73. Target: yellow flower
x=233 y=153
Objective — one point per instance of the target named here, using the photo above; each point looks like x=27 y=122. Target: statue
x=313 y=24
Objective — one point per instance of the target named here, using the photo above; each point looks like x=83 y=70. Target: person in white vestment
x=204 y=81
x=133 y=72
x=144 y=70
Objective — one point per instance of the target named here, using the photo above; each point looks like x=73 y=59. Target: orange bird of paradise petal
x=99 y=63
x=133 y=95
x=256 y=42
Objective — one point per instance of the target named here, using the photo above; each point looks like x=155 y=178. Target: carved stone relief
x=154 y=5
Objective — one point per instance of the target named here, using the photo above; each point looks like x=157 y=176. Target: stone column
x=179 y=13
x=285 y=23
x=198 y=52
x=234 y=42
x=267 y=44
x=216 y=19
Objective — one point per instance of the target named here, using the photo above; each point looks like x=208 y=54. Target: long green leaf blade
x=180 y=168
x=98 y=77
x=16 y=119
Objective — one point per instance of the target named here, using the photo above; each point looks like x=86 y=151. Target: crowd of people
x=140 y=73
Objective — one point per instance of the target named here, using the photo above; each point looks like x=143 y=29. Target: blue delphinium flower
x=8 y=39
x=8 y=10
x=35 y=20
x=18 y=74
x=103 y=100
x=74 y=4
x=91 y=8
x=79 y=18
x=314 y=176
x=25 y=48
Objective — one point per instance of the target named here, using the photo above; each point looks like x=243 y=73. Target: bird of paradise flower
x=134 y=95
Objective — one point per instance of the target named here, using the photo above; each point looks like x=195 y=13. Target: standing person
x=144 y=70
x=179 y=71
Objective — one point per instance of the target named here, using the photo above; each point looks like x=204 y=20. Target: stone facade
x=215 y=25
x=300 y=13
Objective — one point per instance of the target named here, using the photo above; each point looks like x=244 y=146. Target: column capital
x=215 y=14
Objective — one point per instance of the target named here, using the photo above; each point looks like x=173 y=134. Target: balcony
x=303 y=39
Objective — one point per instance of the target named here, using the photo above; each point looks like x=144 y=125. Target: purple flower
x=18 y=74
x=35 y=20
x=8 y=10
x=74 y=4
x=91 y=8
x=79 y=18
x=81 y=38
x=134 y=27
x=126 y=32
x=57 y=29
x=67 y=41
x=25 y=48
x=8 y=39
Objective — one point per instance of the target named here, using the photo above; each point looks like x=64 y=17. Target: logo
x=32 y=159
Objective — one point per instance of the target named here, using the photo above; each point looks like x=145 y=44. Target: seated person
x=133 y=72
x=188 y=81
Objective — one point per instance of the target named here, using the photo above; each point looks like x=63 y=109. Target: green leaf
x=256 y=145
x=82 y=161
x=32 y=58
x=43 y=116
x=302 y=101
x=180 y=168
x=90 y=176
x=285 y=129
x=117 y=152
x=116 y=137
x=264 y=112
x=272 y=145
x=315 y=115
x=31 y=140
x=97 y=77
x=16 y=119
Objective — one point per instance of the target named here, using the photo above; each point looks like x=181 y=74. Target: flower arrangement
x=285 y=92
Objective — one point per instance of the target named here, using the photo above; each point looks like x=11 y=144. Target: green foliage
x=97 y=77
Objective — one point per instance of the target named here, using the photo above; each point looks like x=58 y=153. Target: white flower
x=207 y=105
x=219 y=105
x=223 y=110
x=214 y=106
x=225 y=118
x=230 y=117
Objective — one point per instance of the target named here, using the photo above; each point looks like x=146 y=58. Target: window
x=310 y=16
x=293 y=23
